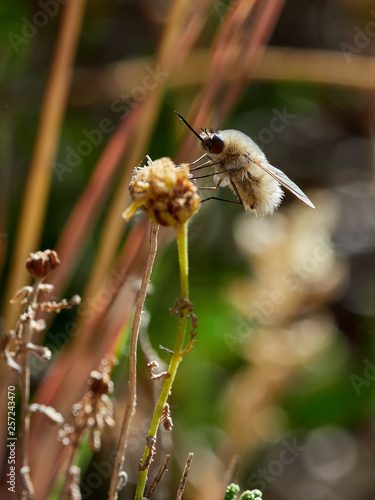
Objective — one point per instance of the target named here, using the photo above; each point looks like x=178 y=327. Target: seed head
x=41 y=264
x=100 y=382
x=164 y=191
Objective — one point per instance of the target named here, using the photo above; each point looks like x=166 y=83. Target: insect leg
x=207 y=164
x=222 y=199
x=194 y=162
x=204 y=165
x=209 y=175
x=236 y=191
x=197 y=160
x=214 y=188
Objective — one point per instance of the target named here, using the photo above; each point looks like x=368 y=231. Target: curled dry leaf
x=41 y=351
x=53 y=416
x=21 y=295
x=38 y=326
x=57 y=306
x=150 y=370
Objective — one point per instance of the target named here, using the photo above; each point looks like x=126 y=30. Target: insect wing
x=284 y=181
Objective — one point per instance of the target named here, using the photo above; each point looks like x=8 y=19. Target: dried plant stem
x=323 y=67
x=184 y=476
x=229 y=475
x=25 y=484
x=158 y=477
x=181 y=233
x=132 y=398
x=73 y=452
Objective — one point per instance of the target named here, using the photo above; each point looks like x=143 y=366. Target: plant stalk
x=181 y=233
x=73 y=453
x=25 y=395
x=132 y=398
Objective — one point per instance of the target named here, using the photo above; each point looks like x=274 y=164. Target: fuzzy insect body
x=258 y=191
x=240 y=164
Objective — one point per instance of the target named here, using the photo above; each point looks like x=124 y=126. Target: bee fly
x=240 y=164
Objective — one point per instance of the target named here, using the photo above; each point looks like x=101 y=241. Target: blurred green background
x=282 y=374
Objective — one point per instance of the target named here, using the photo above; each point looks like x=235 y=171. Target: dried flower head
x=41 y=264
x=100 y=383
x=164 y=191
x=94 y=411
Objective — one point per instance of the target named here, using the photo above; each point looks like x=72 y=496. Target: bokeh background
x=283 y=372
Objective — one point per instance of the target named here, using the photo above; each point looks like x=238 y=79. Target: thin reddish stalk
x=86 y=211
x=308 y=66
x=38 y=185
x=235 y=53
x=251 y=52
x=224 y=51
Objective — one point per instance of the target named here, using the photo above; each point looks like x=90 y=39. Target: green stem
x=181 y=234
x=182 y=245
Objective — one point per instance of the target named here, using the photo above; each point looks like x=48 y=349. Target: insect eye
x=217 y=145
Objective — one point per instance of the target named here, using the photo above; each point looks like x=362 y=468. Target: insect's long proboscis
x=190 y=127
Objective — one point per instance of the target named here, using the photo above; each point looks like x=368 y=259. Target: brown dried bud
x=166 y=418
x=100 y=382
x=40 y=264
x=164 y=191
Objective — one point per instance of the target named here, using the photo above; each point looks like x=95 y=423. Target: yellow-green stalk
x=182 y=244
